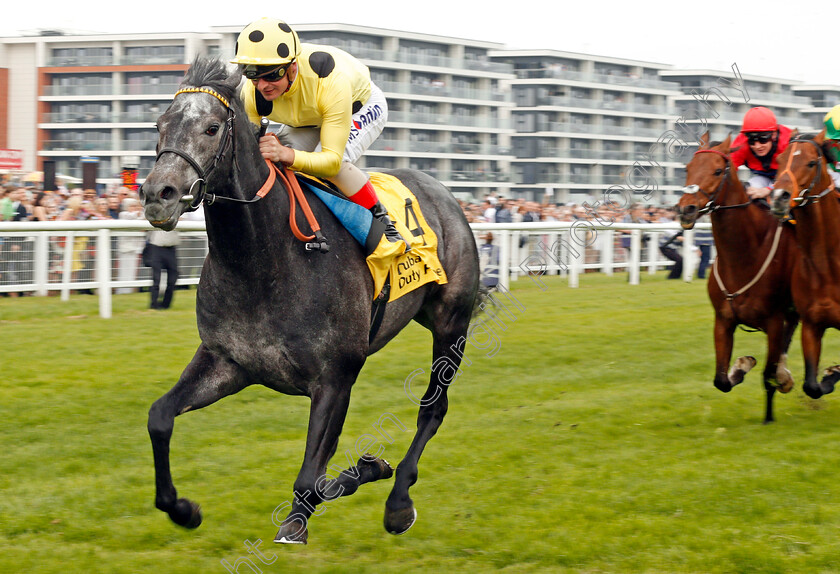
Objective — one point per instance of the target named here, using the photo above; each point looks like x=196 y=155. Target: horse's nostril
x=167 y=193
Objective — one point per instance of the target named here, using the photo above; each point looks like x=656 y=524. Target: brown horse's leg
x=811 y=349
x=775 y=347
x=783 y=374
x=725 y=378
x=205 y=380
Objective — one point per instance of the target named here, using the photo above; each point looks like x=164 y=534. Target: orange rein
x=295 y=195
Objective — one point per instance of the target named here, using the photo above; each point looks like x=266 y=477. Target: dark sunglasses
x=759 y=138
x=265 y=73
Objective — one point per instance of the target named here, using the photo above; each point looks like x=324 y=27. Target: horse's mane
x=215 y=74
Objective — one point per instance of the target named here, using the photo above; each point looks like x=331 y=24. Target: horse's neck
x=818 y=234
x=239 y=233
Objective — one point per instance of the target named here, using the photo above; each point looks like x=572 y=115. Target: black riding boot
x=391 y=233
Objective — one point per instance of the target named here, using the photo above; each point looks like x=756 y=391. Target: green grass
x=592 y=442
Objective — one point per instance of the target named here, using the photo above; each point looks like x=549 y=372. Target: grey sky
x=768 y=38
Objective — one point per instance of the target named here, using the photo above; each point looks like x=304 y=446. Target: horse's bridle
x=198 y=195
x=803 y=198
x=711 y=206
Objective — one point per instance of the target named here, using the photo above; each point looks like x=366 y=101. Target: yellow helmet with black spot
x=267 y=42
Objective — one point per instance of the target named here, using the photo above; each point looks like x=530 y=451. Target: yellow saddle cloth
x=421 y=265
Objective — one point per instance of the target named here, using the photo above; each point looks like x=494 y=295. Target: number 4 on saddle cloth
x=407 y=271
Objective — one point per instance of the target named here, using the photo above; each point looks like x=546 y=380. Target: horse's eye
x=718 y=171
x=212 y=130
x=812 y=163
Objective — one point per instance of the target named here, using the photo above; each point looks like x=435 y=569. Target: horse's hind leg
x=447 y=352
x=326 y=419
x=205 y=380
x=775 y=347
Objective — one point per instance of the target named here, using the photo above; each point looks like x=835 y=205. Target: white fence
x=65 y=256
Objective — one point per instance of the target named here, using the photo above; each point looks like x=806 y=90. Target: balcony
x=437 y=147
x=79 y=145
x=448 y=120
x=443 y=91
x=628 y=81
x=70 y=61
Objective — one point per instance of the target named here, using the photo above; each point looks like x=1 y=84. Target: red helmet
x=759 y=119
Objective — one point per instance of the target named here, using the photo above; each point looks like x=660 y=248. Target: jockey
x=758 y=145
x=329 y=108
x=832 y=143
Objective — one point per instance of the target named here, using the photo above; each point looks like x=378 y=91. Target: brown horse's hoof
x=292 y=531
x=399 y=521
x=186 y=513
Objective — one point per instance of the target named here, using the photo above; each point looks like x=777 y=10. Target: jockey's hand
x=275 y=152
x=758 y=192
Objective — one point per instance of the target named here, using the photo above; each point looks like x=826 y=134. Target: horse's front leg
x=205 y=380
x=726 y=378
x=811 y=350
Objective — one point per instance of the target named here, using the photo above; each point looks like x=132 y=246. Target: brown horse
x=746 y=290
x=805 y=189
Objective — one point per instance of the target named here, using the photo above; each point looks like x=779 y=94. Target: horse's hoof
x=292 y=531
x=399 y=521
x=186 y=513
x=379 y=467
x=814 y=392
x=723 y=386
x=784 y=381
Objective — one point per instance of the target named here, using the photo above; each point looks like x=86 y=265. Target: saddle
x=394 y=273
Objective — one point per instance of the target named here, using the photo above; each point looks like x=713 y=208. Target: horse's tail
x=482 y=301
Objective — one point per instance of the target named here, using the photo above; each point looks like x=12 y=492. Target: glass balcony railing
x=448 y=120
x=443 y=91
x=627 y=80
x=408 y=57
x=108 y=89
x=437 y=147
x=79 y=145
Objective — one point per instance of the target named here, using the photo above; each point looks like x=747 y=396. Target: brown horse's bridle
x=803 y=196
x=711 y=206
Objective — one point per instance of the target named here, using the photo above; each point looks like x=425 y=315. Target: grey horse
x=270 y=312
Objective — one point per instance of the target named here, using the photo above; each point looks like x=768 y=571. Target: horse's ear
x=724 y=145
x=794 y=133
x=704 y=140
x=820 y=137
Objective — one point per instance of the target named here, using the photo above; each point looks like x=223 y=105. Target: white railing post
x=635 y=255
x=575 y=263
x=67 y=267
x=515 y=258
x=607 y=251
x=504 y=258
x=103 y=271
x=41 y=264
x=653 y=251
x=689 y=260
